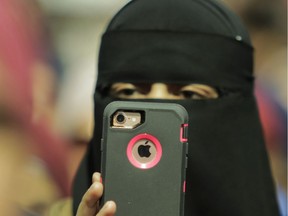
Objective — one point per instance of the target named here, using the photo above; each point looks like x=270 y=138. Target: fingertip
x=110 y=207
x=111 y=204
x=96 y=177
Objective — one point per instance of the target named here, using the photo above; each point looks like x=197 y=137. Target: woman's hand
x=89 y=205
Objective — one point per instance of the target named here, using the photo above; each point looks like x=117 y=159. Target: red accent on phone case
x=183 y=137
x=184 y=186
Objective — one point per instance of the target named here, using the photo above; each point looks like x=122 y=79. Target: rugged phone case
x=141 y=188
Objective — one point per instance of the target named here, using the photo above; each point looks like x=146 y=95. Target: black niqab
x=183 y=42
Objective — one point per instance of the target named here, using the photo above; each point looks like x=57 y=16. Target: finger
x=109 y=209
x=88 y=205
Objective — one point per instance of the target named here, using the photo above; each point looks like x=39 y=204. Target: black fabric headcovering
x=199 y=39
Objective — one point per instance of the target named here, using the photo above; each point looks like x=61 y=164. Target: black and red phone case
x=152 y=189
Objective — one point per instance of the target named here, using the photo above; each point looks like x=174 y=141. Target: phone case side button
x=102 y=143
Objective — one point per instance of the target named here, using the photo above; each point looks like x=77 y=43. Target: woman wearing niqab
x=184 y=42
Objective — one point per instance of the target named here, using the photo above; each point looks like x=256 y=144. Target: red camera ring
x=149 y=164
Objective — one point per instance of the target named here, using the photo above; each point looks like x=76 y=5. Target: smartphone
x=144 y=158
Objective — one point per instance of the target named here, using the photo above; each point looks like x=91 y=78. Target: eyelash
x=187 y=93
x=126 y=91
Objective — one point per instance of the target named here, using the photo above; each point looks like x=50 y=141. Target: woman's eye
x=186 y=94
x=126 y=92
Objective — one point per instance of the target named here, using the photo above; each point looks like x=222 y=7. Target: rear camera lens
x=120 y=118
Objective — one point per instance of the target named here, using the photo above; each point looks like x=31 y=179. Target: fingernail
x=96 y=177
x=108 y=204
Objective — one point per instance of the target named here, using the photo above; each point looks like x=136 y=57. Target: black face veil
x=183 y=42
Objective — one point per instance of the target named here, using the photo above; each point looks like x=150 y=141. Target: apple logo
x=144 y=150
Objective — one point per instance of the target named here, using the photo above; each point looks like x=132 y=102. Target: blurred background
x=48 y=70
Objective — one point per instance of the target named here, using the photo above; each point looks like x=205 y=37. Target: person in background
x=34 y=159
x=198 y=54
